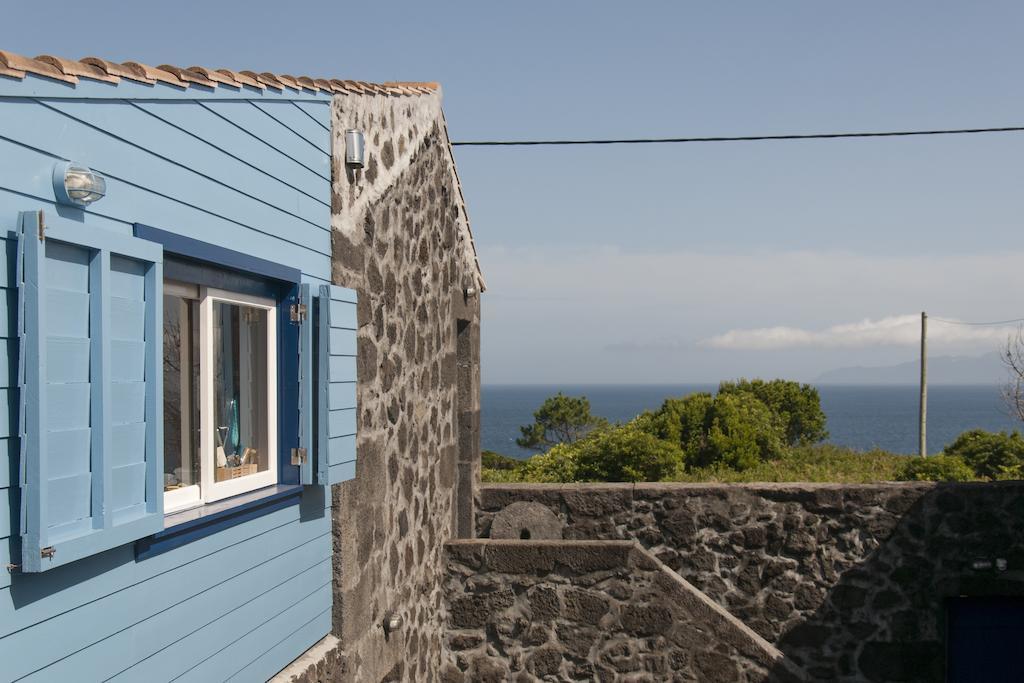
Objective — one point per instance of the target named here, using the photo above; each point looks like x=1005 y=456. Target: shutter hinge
x=298 y=456
x=297 y=312
x=48 y=552
x=42 y=227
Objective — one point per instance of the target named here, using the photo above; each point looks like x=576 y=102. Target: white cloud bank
x=898 y=330
x=592 y=314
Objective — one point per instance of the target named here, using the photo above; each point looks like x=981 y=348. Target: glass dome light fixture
x=77 y=184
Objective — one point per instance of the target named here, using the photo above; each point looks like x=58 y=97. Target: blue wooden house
x=180 y=386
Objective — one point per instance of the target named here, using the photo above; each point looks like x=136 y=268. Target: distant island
x=984 y=369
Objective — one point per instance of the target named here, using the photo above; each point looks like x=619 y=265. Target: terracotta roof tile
x=188 y=76
x=289 y=81
x=97 y=69
x=156 y=74
x=70 y=67
x=115 y=69
x=222 y=77
x=241 y=77
x=18 y=63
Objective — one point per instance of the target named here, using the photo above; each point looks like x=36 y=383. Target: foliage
x=557 y=465
x=497 y=461
x=625 y=453
x=560 y=419
x=935 y=468
x=798 y=406
x=489 y=475
x=817 y=463
x=992 y=455
x=740 y=432
x=679 y=420
x=750 y=431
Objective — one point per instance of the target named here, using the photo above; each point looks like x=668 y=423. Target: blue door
x=984 y=640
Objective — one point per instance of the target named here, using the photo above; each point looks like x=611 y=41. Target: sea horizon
x=859 y=416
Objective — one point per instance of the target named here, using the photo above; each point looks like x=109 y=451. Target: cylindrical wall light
x=355 y=148
x=77 y=184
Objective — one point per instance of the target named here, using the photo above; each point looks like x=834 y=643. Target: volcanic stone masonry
x=401 y=238
x=589 y=610
x=849 y=582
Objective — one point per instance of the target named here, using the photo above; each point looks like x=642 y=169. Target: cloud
x=570 y=313
x=898 y=330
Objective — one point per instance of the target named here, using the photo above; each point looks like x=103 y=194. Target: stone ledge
x=322 y=663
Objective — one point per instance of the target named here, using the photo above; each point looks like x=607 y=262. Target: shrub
x=740 y=431
x=557 y=465
x=990 y=454
x=626 y=453
x=679 y=421
x=497 y=461
x=490 y=475
x=935 y=468
x=798 y=406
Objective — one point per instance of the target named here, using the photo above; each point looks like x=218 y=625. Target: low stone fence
x=585 y=611
x=849 y=581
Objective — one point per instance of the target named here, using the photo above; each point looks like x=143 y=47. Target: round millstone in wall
x=527 y=521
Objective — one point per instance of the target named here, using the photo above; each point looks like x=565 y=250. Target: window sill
x=191 y=524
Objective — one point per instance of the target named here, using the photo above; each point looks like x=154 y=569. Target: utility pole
x=923 y=413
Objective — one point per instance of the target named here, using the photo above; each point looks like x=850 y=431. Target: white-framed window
x=220 y=394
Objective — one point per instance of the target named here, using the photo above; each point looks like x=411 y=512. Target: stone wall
x=586 y=611
x=401 y=238
x=850 y=582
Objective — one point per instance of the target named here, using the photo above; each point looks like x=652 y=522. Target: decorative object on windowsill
x=222 y=458
x=226 y=473
x=249 y=456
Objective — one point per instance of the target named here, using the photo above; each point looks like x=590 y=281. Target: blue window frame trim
x=190 y=525
x=220 y=257
x=199 y=262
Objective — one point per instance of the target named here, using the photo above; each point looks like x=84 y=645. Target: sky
x=674 y=263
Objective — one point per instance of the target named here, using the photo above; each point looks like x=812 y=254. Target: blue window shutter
x=307 y=389
x=336 y=415
x=91 y=381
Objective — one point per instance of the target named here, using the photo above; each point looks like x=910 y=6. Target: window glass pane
x=181 y=392
x=240 y=400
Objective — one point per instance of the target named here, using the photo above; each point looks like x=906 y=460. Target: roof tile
x=97 y=69
x=19 y=63
x=222 y=77
x=188 y=76
x=156 y=74
x=71 y=67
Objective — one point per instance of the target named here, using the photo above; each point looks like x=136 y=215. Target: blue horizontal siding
x=248 y=599
x=46 y=632
x=139 y=179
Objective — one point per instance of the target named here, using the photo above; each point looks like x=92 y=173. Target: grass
x=819 y=463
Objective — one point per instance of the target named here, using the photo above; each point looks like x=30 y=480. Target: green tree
x=797 y=405
x=626 y=453
x=681 y=421
x=935 y=468
x=560 y=419
x=990 y=454
x=741 y=431
x=734 y=429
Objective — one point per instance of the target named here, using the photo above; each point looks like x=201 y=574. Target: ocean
x=861 y=417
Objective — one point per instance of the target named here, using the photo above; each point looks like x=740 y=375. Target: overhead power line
x=993 y=323
x=738 y=138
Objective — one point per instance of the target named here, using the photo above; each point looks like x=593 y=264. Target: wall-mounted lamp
x=355 y=148
x=76 y=184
